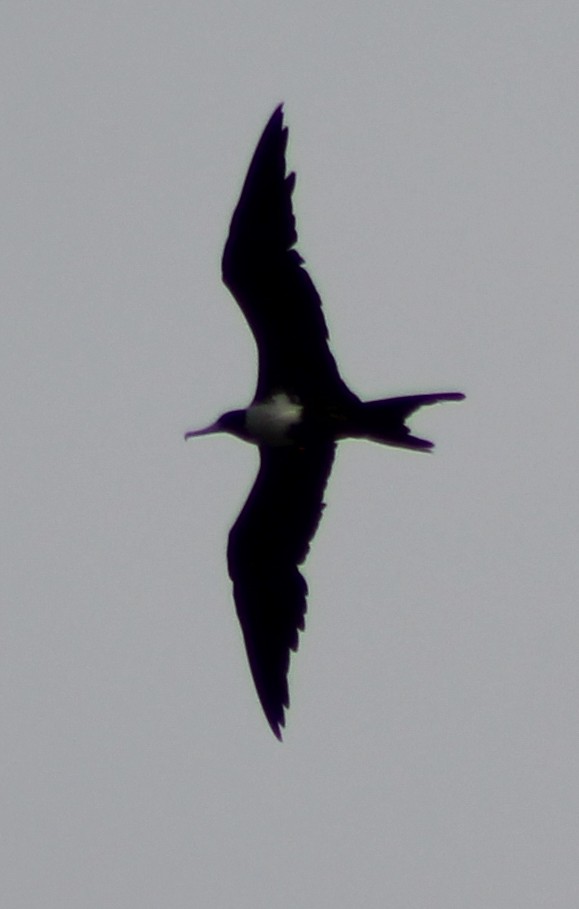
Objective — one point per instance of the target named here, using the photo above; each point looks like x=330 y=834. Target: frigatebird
x=300 y=410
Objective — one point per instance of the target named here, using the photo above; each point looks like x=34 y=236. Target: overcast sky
x=431 y=754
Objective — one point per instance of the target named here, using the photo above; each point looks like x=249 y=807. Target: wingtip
x=278 y=115
x=275 y=720
x=276 y=725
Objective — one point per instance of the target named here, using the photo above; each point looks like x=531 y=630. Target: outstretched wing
x=266 y=276
x=268 y=541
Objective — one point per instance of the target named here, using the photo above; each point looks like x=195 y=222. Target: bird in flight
x=300 y=410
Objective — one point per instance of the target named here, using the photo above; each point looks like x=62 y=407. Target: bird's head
x=233 y=421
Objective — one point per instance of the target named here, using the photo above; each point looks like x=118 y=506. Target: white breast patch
x=270 y=421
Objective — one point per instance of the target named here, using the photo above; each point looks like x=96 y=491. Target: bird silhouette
x=300 y=410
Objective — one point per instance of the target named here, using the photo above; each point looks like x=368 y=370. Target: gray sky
x=431 y=752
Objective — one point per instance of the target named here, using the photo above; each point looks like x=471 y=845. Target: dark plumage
x=300 y=410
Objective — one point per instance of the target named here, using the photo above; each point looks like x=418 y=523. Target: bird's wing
x=268 y=541
x=266 y=276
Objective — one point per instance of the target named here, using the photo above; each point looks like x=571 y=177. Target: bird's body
x=301 y=408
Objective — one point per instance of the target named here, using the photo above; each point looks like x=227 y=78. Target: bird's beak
x=215 y=427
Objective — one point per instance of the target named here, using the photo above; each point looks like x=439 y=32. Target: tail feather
x=385 y=420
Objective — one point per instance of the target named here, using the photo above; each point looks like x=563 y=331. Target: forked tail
x=385 y=421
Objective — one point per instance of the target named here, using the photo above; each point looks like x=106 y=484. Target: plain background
x=431 y=753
